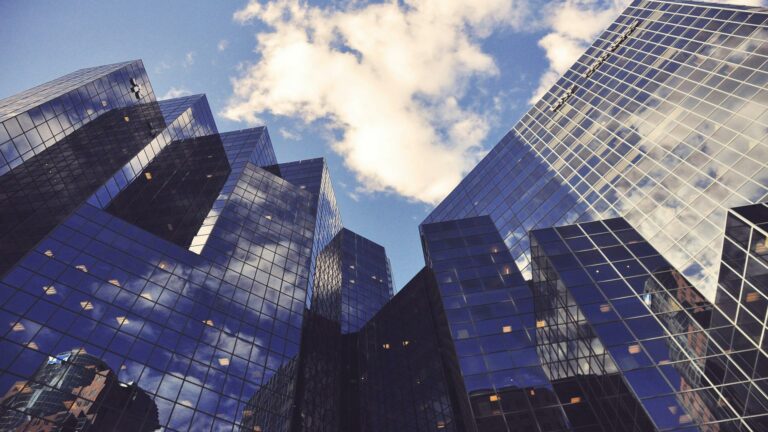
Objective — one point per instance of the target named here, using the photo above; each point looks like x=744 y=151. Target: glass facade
x=661 y=121
x=156 y=273
x=602 y=269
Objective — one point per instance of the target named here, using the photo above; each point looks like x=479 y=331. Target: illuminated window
x=494 y=398
x=575 y=399
x=268 y=217
x=86 y=305
x=49 y=290
x=103 y=103
x=208 y=322
x=147 y=296
x=506 y=329
x=541 y=324
x=48 y=253
x=352 y=267
x=121 y=320
x=406 y=343
x=532 y=392
x=752 y=297
x=441 y=424
x=208 y=175
x=224 y=361
x=761 y=247
x=162 y=265
x=18 y=327
x=634 y=349
x=32 y=345
x=685 y=418
x=148 y=175
x=82 y=268
x=605 y=308
x=385 y=346
x=114 y=282
x=126 y=118
x=186 y=403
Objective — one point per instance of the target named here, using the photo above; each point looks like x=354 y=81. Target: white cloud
x=175 y=92
x=387 y=78
x=222 y=45
x=285 y=133
x=574 y=25
x=189 y=59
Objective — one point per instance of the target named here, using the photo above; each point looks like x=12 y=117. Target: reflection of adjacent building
x=76 y=391
x=652 y=322
x=272 y=407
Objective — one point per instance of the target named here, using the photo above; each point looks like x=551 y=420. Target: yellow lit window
x=82 y=268
x=208 y=322
x=208 y=175
x=575 y=399
x=148 y=175
x=532 y=392
x=441 y=424
x=494 y=398
x=49 y=290
x=162 y=265
x=752 y=297
x=86 y=305
x=634 y=349
x=506 y=329
x=147 y=296
x=224 y=361
x=385 y=346
x=48 y=253
x=406 y=343
x=32 y=345
x=605 y=308
x=761 y=247
x=114 y=282
x=18 y=327
x=126 y=118
x=541 y=324
x=122 y=320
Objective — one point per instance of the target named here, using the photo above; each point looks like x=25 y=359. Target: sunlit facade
x=661 y=121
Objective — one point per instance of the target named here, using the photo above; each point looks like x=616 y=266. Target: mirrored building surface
x=661 y=121
x=155 y=273
x=604 y=268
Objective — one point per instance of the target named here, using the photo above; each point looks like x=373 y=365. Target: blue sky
x=401 y=98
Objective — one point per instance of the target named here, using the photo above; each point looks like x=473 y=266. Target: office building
x=603 y=268
x=155 y=273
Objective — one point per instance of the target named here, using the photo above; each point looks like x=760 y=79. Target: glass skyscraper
x=604 y=268
x=661 y=121
x=156 y=274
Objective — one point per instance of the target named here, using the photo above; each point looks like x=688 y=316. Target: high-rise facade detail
x=604 y=268
x=155 y=273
